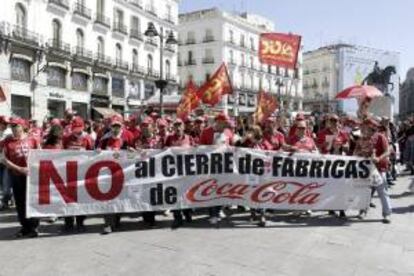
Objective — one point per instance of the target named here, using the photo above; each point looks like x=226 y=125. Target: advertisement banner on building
x=279 y=49
x=67 y=183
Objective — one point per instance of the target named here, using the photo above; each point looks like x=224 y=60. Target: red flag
x=2 y=95
x=279 y=49
x=266 y=105
x=189 y=101
x=217 y=86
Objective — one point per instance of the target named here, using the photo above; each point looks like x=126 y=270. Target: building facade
x=87 y=55
x=209 y=37
x=328 y=70
x=407 y=95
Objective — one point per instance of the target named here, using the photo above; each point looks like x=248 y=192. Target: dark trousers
x=214 y=212
x=148 y=217
x=18 y=183
x=69 y=221
x=178 y=214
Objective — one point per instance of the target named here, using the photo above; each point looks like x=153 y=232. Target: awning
x=106 y=112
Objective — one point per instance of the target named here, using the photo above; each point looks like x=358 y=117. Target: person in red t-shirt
x=301 y=142
x=53 y=140
x=132 y=126
x=162 y=127
x=180 y=139
x=332 y=140
x=16 y=149
x=218 y=134
x=272 y=138
x=77 y=140
x=199 y=125
x=374 y=145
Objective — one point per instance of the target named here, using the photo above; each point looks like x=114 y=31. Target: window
x=20 y=70
x=149 y=64
x=252 y=46
x=100 y=7
x=207 y=76
x=21 y=106
x=190 y=57
x=118 y=52
x=56 y=108
x=252 y=62
x=100 y=85
x=231 y=57
x=80 y=40
x=168 y=69
x=231 y=34
x=242 y=40
x=242 y=59
x=135 y=59
x=57 y=32
x=135 y=25
x=56 y=76
x=79 y=81
x=101 y=46
x=190 y=38
x=251 y=81
x=20 y=16
x=209 y=35
x=118 y=87
x=119 y=17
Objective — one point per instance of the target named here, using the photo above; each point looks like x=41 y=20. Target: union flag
x=266 y=105
x=189 y=101
x=218 y=85
x=279 y=49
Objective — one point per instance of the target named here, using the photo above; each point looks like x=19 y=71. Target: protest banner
x=67 y=183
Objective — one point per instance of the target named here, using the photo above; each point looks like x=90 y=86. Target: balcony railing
x=103 y=60
x=119 y=63
x=83 y=54
x=190 y=62
x=60 y=3
x=102 y=20
x=120 y=28
x=208 y=60
x=136 y=34
x=151 y=10
x=153 y=73
x=208 y=38
x=136 y=3
x=136 y=69
x=190 y=41
x=24 y=35
x=81 y=10
x=59 y=47
x=152 y=42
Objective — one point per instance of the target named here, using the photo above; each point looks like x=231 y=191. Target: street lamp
x=152 y=32
x=279 y=84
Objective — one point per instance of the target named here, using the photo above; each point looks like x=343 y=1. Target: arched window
x=80 y=40
x=21 y=20
x=149 y=64
x=135 y=59
x=57 y=32
x=167 y=69
x=118 y=52
x=101 y=46
x=100 y=7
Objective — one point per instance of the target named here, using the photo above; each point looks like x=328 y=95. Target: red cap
x=55 y=122
x=3 y=120
x=77 y=124
x=300 y=117
x=222 y=118
x=116 y=120
x=154 y=115
x=17 y=121
x=147 y=121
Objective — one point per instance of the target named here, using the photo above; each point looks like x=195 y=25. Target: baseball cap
x=17 y=121
x=77 y=124
x=116 y=120
x=222 y=118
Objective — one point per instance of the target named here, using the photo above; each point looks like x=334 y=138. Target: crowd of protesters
x=369 y=137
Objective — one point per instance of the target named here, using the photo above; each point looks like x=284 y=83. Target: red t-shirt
x=175 y=141
x=380 y=143
x=17 y=150
x=154 y=142
x=341 y=139
x=112 y=143
x=73 y=142
x=207 y=136
x=274 y=142
x=304 y=144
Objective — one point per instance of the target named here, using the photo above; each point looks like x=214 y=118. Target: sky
x=383 y=24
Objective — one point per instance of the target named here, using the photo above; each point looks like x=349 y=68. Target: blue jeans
x=383 y=195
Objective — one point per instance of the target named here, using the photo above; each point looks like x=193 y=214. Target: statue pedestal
x=382 y=107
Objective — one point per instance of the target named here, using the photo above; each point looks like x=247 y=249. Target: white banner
x=67 y=183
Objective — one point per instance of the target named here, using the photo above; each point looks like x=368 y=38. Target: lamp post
x=279 y=84
x=161 y=83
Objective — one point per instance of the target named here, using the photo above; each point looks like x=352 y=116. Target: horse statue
x=381 y=78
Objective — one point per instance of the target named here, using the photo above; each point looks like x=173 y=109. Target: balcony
x=208 y=60
x=190 y=41
x=170 y=48
x=208 y=38
x=82 y=54
x=120 y=64
x=82 y=11
x=136 y=34
x=119 y=27
x=168 y=18
x=153 y=73
x=102 y=20
x=61 y=4
x=136 y=69
x=136 y=3
x=171 y=78
x=151 y=10
x=102 y=60
x=56 y=46
x=24 y=35
x=152 y=42
x=190 y=62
